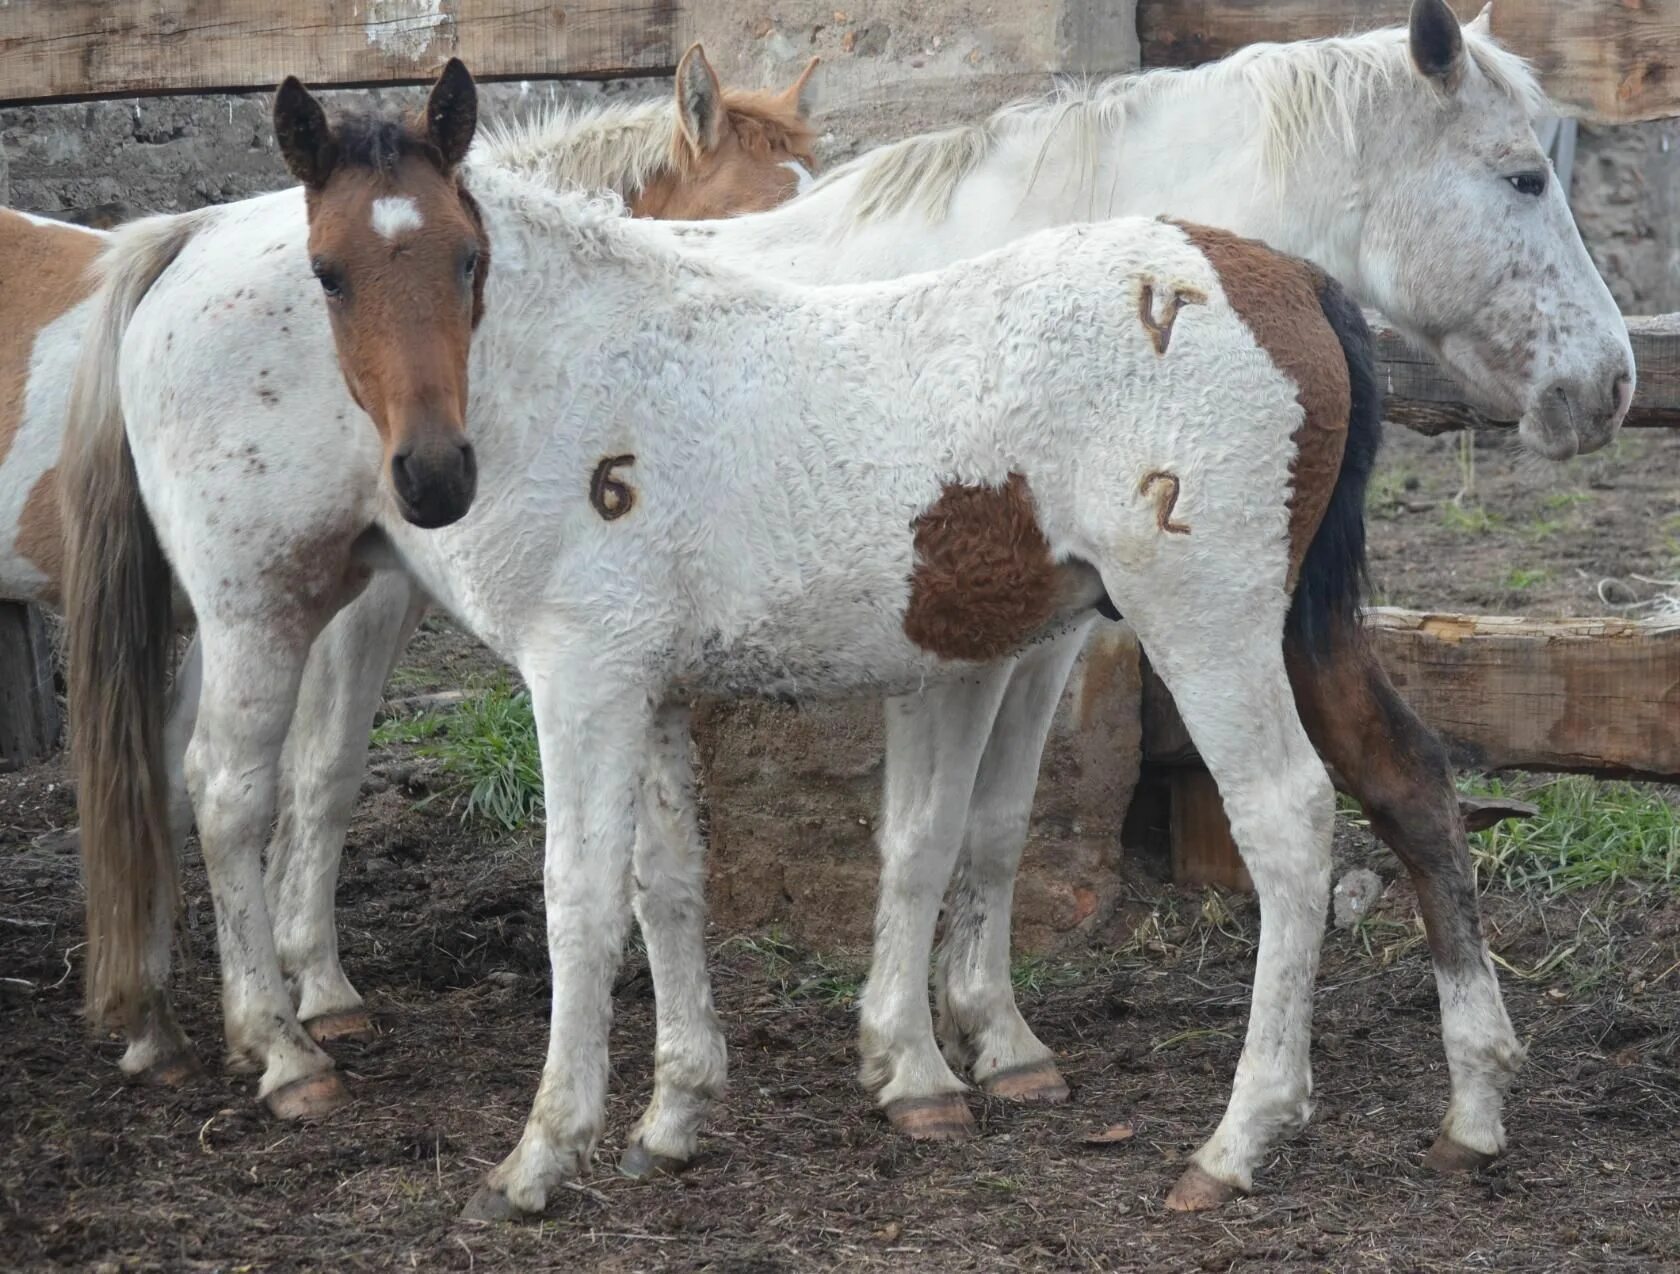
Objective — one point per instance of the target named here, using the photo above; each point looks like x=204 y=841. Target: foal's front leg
x=690 y=1058
x=934 y=743
x=592 y=728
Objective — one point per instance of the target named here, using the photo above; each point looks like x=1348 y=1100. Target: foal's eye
x=332 y=283
x=1531 y=184
x=469 y=264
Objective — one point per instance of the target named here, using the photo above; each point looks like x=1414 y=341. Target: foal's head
x=401 y=253
x=734 y=152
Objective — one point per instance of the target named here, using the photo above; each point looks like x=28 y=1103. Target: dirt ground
x=442 y=927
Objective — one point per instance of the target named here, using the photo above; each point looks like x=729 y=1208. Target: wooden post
x=1203 y=852
x=29 y=718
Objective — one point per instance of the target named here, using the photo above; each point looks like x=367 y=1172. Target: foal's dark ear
x=1437 y=43
x=699 y=101
x=452 y=112
x=305 y=138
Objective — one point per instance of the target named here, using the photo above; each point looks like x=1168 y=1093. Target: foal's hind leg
x=1217 y=643
x=250 y=689
x=158 y=1050
x=690 y=1058
x=1399 y=772
x=979 y=1023
x=934 y=743
x=321 y=776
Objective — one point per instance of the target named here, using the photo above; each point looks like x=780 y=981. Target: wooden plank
x=1423 y=397
x=1595 y=696
x=1203 y=852
x=54 y=50
x=29 y=717
x=1605 y=60
x=1587 y=696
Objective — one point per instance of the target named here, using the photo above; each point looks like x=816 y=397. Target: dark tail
x=1332 y=580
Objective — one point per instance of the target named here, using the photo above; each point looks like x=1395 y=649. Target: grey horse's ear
x=1437 y=43
x=1482 y=23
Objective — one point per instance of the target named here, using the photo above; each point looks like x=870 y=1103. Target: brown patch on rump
x=45 y=273
x=40 y=534
x=1160 y=330
x=1165 y=499
x=984 y=580
x=1278 y=297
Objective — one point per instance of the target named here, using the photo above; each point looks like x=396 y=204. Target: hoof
x=311 y=1097
x=1447 y=1155
x=1038 y=1082
x=351 y=1024
x=1199 y=1191
x=942 y=1117
x=490 y=1204
x=639 y=1163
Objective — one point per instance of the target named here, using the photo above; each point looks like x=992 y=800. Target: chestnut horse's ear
x=1437 y=44
x=452 y=112
x=304 y=136
x=794 y=94
x=699 y=101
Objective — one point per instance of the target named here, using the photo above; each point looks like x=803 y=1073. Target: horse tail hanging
x=1332 y=581
x=121 y=631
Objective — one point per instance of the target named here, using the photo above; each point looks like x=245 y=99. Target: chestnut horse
x=703 y=152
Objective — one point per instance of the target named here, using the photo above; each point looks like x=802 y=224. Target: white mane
x=621 y=147
x=1309 y=91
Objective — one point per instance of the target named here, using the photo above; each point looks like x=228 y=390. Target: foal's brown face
x=401 y=255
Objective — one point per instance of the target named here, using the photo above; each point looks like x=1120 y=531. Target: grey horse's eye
x=1532 y=184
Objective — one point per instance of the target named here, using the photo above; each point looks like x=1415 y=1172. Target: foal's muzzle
x=434 y=480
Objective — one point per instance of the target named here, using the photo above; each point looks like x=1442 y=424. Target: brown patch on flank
x=1166 y=497
x=608 y=496
x=45 y=273
x=1160 y=329
x=40 y=535
x=984 y=579
x=1278 y=298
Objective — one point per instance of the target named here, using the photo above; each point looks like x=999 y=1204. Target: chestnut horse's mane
x=624 y=147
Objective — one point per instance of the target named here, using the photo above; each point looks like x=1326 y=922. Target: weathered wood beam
x=55 y=50
x=1423 y=397
x=1604 y=60
x=1586 y=696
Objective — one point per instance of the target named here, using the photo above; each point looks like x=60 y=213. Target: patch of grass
x=488 y=751
x=1388 y=490
x=1560 y=501
x=1587 y=833
x=800 y=974
x=1469 y=519
x=1520 y=578
x=1034 y=974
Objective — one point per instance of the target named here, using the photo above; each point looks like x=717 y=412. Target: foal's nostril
x=401 y=478
x=469 y=463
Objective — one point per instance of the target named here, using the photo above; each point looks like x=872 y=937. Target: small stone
x=1354 y=896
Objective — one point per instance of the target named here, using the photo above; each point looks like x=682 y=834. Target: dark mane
x=380 y=144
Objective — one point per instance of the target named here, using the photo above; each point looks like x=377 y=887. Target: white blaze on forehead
x=801 y=173
x=395 y=215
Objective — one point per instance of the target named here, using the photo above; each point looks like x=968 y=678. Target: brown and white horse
x=704 y=152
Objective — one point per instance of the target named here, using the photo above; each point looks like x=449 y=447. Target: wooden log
x=58 y=50
x=1588 y=696
x=29 y=717
x=1422 y=396
x=1203 y=852
x=1604 y=60
x=1581 y=696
